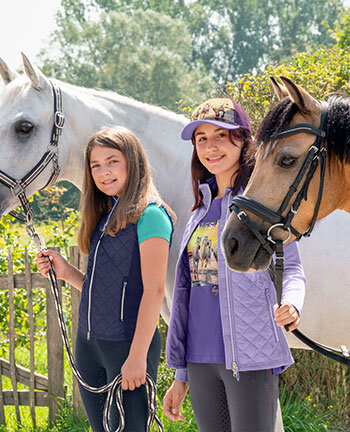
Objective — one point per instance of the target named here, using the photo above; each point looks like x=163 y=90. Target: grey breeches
x=223 y=404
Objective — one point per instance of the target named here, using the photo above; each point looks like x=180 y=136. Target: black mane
x=337 y=127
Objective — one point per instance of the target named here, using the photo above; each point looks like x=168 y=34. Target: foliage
x=145 y=55
x=55 y=202
x=68 y=421
x=11 y=238
x=228 y=37
x=302 y=416
x=322 y=385
x=342 y=31
x=321 y=73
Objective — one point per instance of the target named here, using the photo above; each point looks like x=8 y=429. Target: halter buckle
x=240 y=214
x=59 y=119
x=292 y=210
x=270 y=239
x=344 y=351
x=17 y=190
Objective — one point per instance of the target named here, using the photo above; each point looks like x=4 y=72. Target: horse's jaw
x=7 y=202
x=242 y=251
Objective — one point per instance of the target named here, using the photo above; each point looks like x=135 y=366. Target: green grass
x=301 y=413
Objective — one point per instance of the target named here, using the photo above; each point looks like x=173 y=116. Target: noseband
x=316 y=155
x=18 y=187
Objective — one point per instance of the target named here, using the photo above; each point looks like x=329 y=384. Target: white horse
x=27 y=99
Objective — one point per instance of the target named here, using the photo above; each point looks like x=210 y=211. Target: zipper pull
x=234 y=369
x=88 y=335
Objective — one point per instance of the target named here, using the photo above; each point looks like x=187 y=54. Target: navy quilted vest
x=116 y=289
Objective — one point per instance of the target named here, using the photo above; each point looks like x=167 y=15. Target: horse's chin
x=245 y=263
x=243 y=253
x=261 y=260
x=5 y=206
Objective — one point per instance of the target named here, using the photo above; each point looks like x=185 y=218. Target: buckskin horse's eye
x=24 y=128
x=287 y=161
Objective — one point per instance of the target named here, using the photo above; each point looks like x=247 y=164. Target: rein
x=18 y=188
x=316 y=155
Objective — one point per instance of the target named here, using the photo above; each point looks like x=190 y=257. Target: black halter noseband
x=18 y=187
x=317 y=154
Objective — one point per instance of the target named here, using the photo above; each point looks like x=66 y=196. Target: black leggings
x=223 y=404
x=99 y=362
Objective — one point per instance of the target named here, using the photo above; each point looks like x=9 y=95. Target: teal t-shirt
x=154 y=222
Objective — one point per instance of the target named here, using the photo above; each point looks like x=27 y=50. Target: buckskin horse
x=289 y=190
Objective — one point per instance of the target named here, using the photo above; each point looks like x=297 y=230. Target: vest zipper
x=234 y=365
x=273 y=322
x=122 y=302
x=90 y=286
x=93 y=268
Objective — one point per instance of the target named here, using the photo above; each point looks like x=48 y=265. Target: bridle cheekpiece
x=18 y=187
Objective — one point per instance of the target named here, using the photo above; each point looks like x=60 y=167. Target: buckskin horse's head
x=285 y=139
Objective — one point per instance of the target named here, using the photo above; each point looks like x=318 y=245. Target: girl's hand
x=133 y=373
x=60 y=265
x=173 y=400
x=286 y=314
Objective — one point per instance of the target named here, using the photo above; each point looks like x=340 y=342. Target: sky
x=25 y=26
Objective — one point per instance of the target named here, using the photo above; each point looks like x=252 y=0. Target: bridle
x=18 y=188
x=316 y=156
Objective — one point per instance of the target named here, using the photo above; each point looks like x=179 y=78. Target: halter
x=18 y=187
x=316 y=155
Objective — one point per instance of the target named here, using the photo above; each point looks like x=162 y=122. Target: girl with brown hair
x=225 y=336
x=126 y=230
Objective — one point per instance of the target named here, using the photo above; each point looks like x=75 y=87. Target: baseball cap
x=223 y=112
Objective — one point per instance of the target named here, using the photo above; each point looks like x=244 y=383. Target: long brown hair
x=246 y=164
x=135 y=196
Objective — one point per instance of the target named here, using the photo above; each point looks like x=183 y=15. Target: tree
x=145 y=55
x=322 y=73
x=233 y=37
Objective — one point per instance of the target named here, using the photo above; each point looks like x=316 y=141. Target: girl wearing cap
x=126 y=231
x=225 y=336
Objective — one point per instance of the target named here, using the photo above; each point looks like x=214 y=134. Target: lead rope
x=114 y=387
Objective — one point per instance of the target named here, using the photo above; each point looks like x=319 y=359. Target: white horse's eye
x=287 y=161
x=24 y=128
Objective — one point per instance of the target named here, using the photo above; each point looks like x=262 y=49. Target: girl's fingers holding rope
x=131 y=384
x=138 y=383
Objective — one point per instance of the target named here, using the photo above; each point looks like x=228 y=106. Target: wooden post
x=55 y=365
x=2 y=410
x=11 y=288
x=31 y=336
x=75 y=301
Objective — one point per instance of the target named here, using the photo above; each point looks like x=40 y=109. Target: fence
x=43 y=391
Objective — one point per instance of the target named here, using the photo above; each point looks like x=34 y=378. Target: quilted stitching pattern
x=258 y=342
x=113 y=264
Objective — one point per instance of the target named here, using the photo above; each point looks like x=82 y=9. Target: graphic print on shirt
x=203 y=255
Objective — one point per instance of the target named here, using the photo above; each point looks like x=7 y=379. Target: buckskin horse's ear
x=280 y=91
x=6 y=73
x=301 y=97
x=37 y=78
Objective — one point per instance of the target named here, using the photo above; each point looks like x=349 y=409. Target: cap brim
x=187 y=131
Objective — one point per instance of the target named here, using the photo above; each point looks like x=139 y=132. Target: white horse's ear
x=280 y=91
x=6 y=73
x=301 y=97
x=37 y=78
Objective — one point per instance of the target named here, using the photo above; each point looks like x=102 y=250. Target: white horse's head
x=26 y=120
